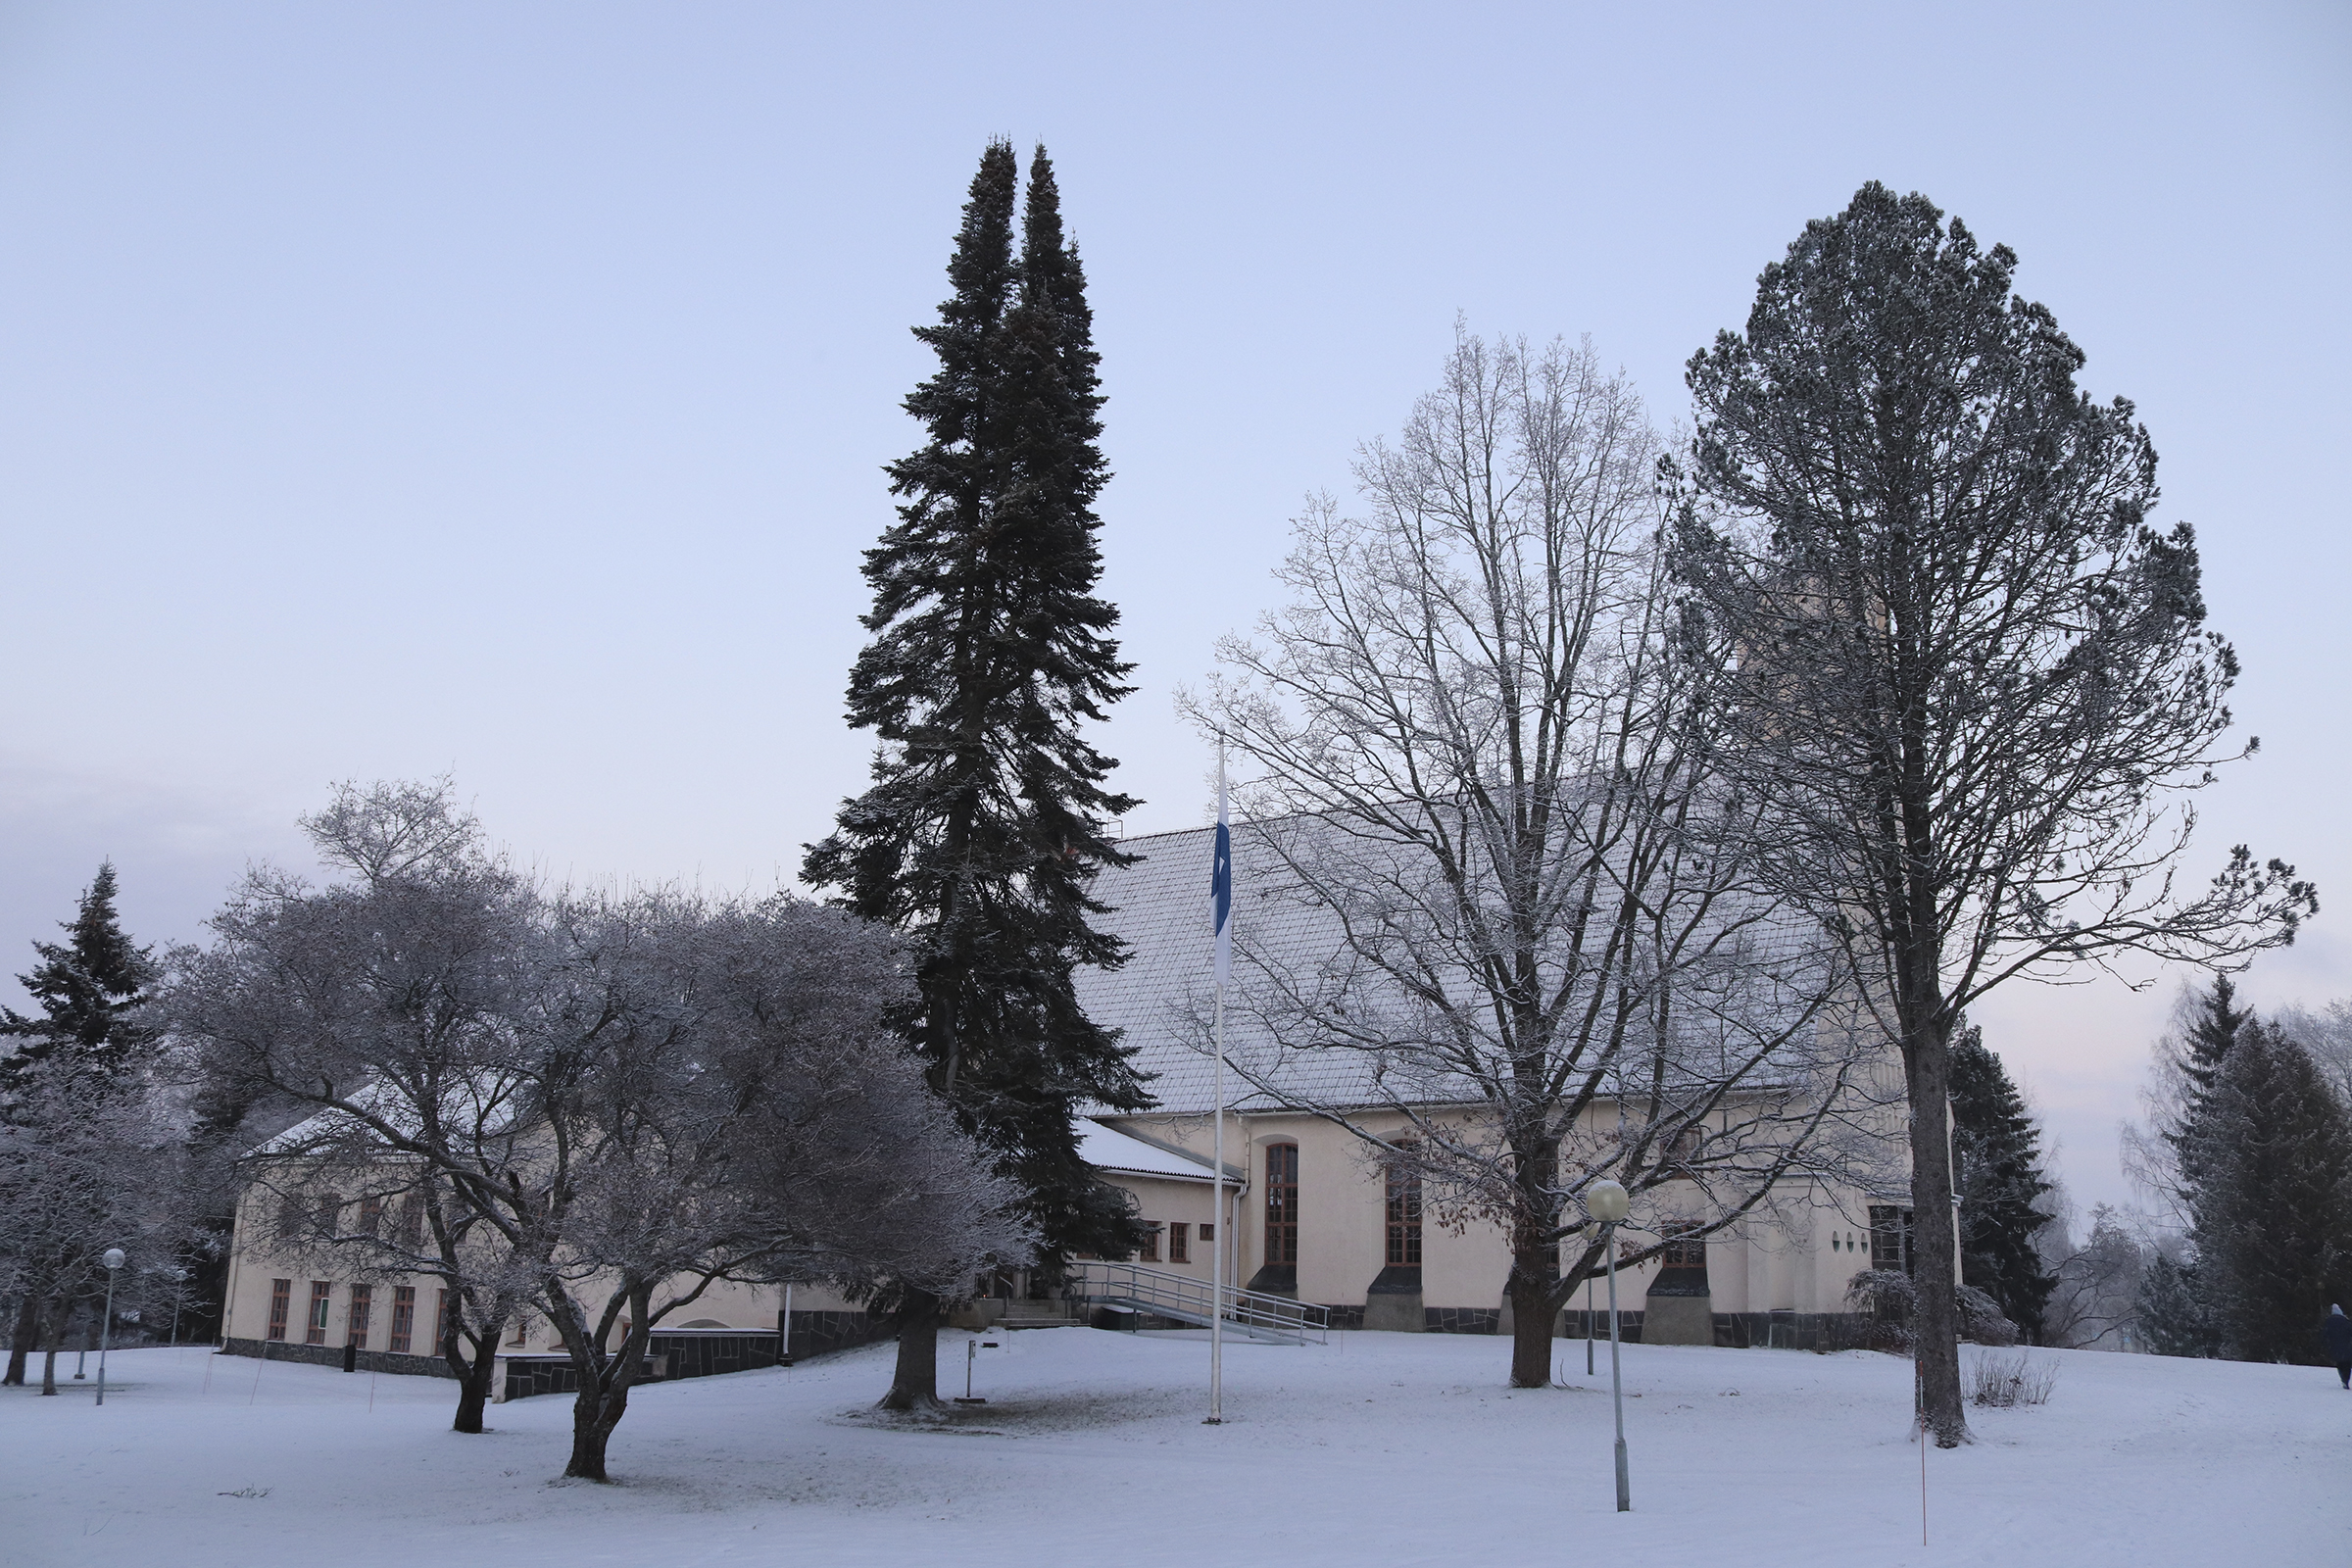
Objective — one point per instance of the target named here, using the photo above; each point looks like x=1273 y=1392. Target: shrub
x=2005 y=1381
x=1887 y=1300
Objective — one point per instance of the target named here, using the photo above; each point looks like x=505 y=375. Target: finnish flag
x=1220 y=886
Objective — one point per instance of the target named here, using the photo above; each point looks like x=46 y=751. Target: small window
x=330 y=1214
x=372 y=1214
x=1180 y=1237
x=292 y=1221
x=1208 y=1233
x=355 y=1322
x=1151 y=1249
x=443 y=1324
x=522 y=1330
x=412 y=1222
x=1684 y=1249
x=403 y=1318
x=314 y=1328
x=1282 y=1204
x=1404 y=1210
x=1889 y=1237
x=281 y=1300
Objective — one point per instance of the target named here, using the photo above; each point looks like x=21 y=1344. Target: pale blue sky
x=501 y=388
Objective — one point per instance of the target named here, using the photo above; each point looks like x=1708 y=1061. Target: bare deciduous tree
x=1488 y=782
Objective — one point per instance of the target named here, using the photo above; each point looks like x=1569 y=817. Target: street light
x=113 y=1261
x=1606 y=1201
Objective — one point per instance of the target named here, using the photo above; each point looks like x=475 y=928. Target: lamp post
x=1606 y=1201
x=106 y=1328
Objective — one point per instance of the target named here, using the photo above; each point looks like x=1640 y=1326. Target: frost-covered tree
x=745 y=1113
x=384 y=1014
x=1471 y=757
x=2095 y=1303
x=1973 y=680
x=990 y=653
x=86 y=1113
x=589 y=1107
x=86 y=1165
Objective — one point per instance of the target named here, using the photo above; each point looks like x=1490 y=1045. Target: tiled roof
x=1161 y=998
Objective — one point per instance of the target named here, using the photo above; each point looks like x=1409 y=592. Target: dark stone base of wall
x=708 y=1354
x=821 y=1333
x=1460 y=1319
x=412 y=1366
x=1346 y=1317
x=1580 y=1323
x=1791 y=1331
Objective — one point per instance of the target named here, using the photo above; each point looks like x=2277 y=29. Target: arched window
x=1282 y=1205
x=1404 y=1210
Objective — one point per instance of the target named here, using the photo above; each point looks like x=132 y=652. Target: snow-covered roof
x=1106 y=1149
x=1160 y=999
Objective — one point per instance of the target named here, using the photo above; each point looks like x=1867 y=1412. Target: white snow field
x=1378 y=1449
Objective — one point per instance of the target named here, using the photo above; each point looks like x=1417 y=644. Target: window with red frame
x=1180 y=1241
x=1282 y=1204
x=355 y=1321
x=282 y=1304
x=1404 y=1210
x=314 y=1327
x=403 y=1318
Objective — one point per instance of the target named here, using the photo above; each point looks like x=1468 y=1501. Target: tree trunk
x=19 y=1343
x=594 y=1414
x=53 y=1336
x=1936 y=1325
x=474 y=1378
x=1530 y=1292
x=914 y=1384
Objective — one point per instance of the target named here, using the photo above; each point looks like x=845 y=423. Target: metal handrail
x=1186 y=1299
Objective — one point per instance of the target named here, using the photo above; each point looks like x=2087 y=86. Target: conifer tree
x=1998 y=1151
x=988 y=813
x=2218 y=1024
x=2272 y=1154
x=90 y=989
x=88 y=1038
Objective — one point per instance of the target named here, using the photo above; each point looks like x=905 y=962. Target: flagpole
x=1221 y=892
x=1217 y=1254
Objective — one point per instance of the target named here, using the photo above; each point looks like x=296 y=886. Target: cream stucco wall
x=1778 y=1259
x=253 y=1266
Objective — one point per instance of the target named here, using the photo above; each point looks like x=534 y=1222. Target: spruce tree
x=1999 y=1150
x=2274 y=1218
x=88 y=1038
x=2218 y=1026
x=988 y=814
x=90 y=989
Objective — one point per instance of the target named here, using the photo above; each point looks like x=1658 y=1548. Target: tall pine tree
x=988 y=814
x=1999 y=1180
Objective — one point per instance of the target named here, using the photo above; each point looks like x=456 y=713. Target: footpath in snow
x=1380 y=1449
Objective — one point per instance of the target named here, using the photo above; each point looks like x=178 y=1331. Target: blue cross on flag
x=1220 y=885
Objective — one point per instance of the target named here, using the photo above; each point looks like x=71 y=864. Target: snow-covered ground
x=1378 y=1449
